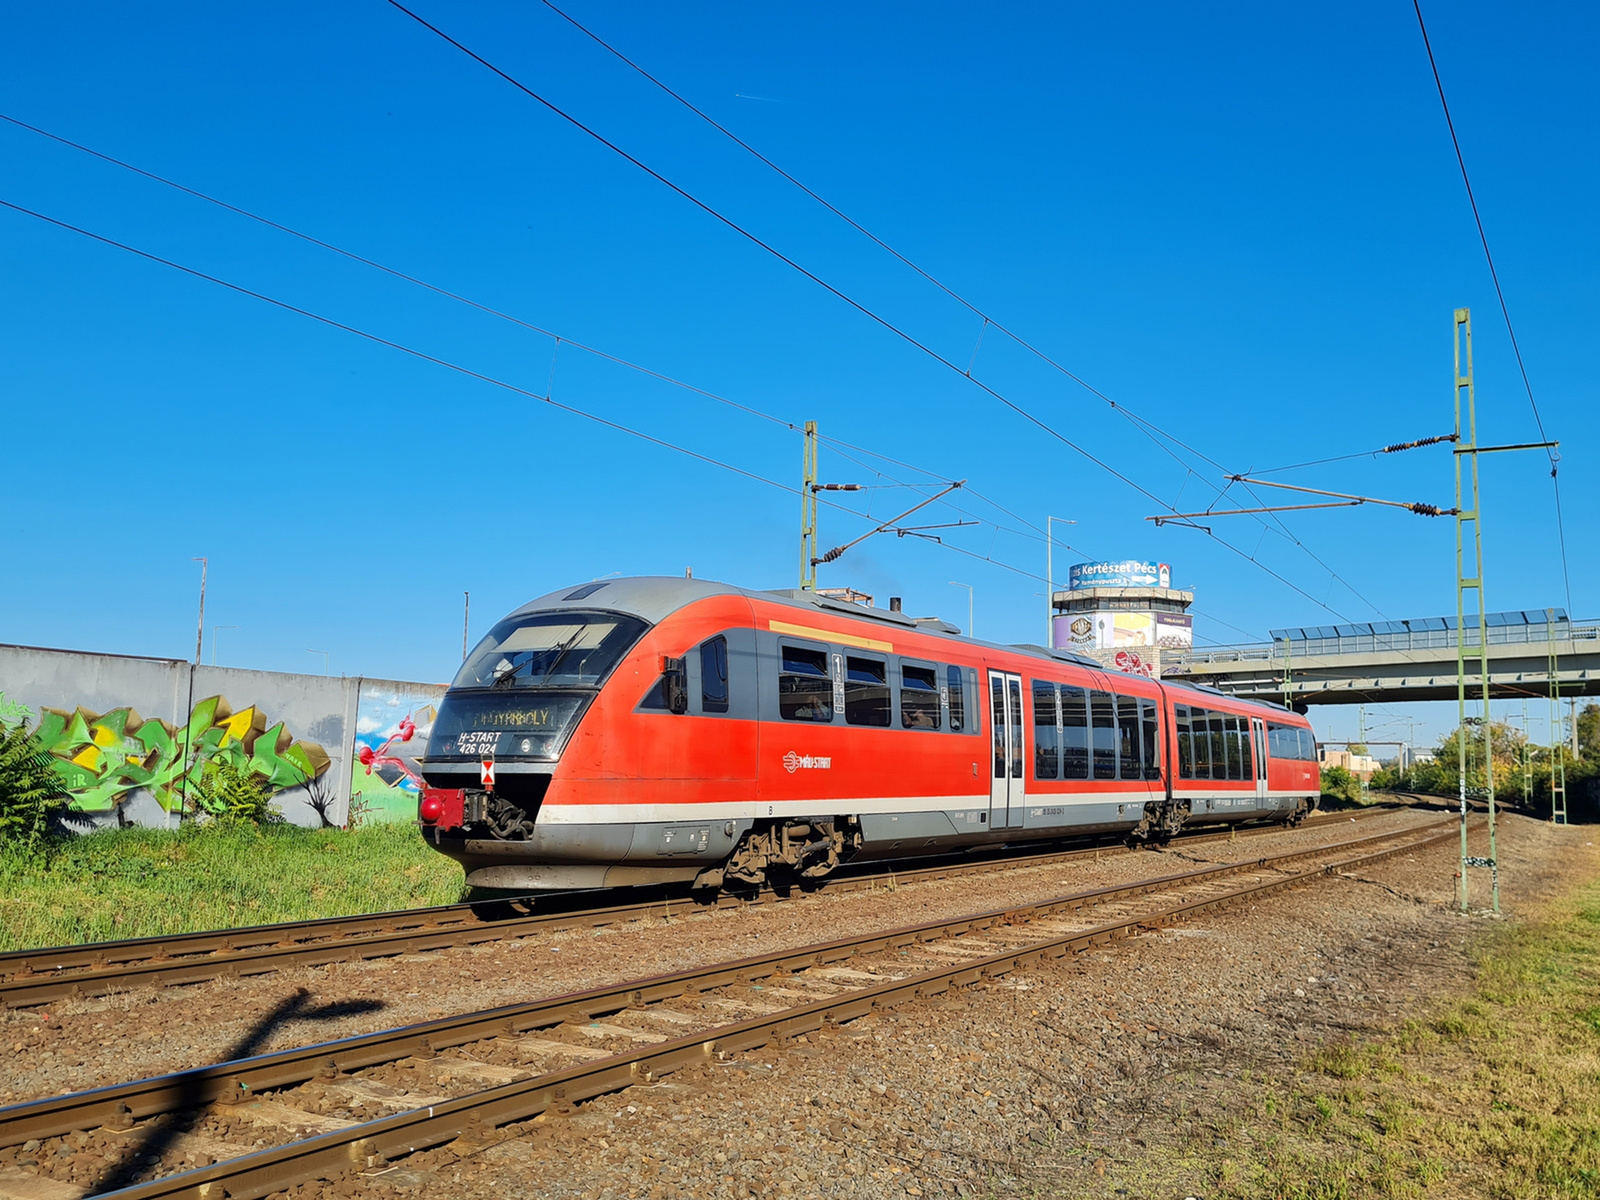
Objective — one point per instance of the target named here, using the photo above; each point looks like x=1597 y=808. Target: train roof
x=655 y=597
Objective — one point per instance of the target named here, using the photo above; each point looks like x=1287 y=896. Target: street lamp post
x=200 y=625
x=324 y=654
x=968 y=586
x=1050 y=580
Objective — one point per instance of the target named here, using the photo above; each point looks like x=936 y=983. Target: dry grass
x=1498 y=1095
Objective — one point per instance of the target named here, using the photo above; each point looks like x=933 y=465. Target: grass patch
x=124 y=883
x=1497 y=1095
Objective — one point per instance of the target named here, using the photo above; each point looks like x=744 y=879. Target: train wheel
x=780 y=853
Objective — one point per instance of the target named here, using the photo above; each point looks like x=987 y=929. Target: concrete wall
x=112 y=721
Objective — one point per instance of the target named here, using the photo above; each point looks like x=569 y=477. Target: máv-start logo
x=793 y=762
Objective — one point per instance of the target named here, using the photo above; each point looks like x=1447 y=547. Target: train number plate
x=478 y=744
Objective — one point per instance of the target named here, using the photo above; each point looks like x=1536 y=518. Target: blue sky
x=1244 y=224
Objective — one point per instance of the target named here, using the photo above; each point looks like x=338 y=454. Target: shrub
x=33 y=799
x=232 y=793
x=1339 y=786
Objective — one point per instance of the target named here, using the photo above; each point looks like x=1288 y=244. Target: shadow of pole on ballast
x=158 y=1136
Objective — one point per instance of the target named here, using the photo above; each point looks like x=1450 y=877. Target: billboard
x=1174 y=630
x=1073 y=631
x=1128 y=573
x=1121 y=629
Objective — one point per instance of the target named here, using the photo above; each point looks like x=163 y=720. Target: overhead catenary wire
x=873 y=316
x=557 y=339
x=1392 y=448
x=1505 y=312
x=468 y=372
x=1146 y=427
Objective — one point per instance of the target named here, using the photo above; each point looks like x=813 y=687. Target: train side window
x=1046 y=723
x=1275 y=740
x=1247 y=766
x=1180 y=730
x=1230 y=737
x=805 y=689
x=1152 y=739
x=919 y=697
x=958 y=700
x=714 y=675
x=1103 y=715
x=1128 y=737
x=974 y=701
x=1200 y=743
x=866 y=691
x=1219 y=753
x=1287 y=741
x=1074 y=733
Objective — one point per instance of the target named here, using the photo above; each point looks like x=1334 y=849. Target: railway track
x=34 y=977
x=456 y=1080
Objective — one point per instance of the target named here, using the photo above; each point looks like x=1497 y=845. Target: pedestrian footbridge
x=1400 y=660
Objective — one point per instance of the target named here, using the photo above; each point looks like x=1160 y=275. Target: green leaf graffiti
x=104 y=757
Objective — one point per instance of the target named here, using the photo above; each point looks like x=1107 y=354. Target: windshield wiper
x=561 y=650
x=558 y=651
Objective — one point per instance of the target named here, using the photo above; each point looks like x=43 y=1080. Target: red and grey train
x=655 y=730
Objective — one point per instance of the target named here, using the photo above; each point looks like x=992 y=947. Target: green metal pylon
x=1558 y=761
x=1467 y=512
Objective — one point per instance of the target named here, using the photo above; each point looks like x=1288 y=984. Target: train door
x=1258 y=737
x=1005 y=722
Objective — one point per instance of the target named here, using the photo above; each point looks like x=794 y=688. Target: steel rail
x=241 y=1078
x=95 y=969
x=474 y=1118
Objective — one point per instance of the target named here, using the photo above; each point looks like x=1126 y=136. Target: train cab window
x=1046 y=722
x=1103 y=728
x=866 y=691
x=1128 y=737
x=1247 y=769
x=1074 y=733
x=1152 y=739
x=958 y=700
x=1308 y=745
x=919 y=697
x=1230 y=742
x=805 y=690
x=714 y=675
x=568 y=648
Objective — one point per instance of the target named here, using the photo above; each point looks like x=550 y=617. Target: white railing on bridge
x=1174 y=661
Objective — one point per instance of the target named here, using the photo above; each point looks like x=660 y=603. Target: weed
x=1339 y=1059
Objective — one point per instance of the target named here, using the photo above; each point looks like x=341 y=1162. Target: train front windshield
x=550 y=649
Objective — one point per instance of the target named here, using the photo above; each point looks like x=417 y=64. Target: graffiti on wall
x=392 y=728
x=104 y=758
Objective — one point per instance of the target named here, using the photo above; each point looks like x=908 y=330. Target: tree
x=1589 y=733
x=1443 y=774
